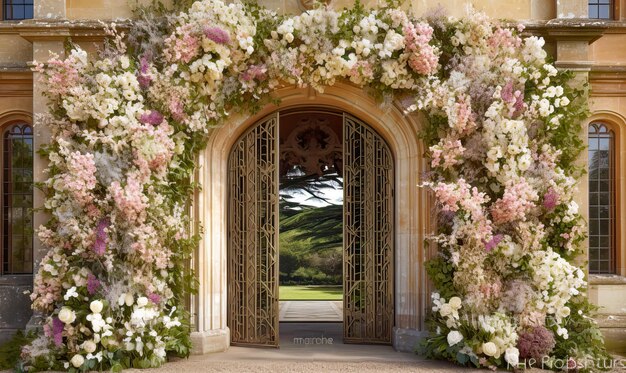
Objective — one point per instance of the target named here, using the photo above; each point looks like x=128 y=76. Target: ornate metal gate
x=368 y=235
x=253 y=236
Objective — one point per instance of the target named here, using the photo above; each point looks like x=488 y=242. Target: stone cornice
x=59 y=30
x=575 y=29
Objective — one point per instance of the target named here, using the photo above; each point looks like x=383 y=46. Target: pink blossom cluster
x=423 y=58
x=80 y=178
x=518 y=199
x=513 y=99
x=447 y=153
x=182 y=46
x=130 y=199
x=147 y=247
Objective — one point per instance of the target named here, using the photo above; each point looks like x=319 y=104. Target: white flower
x=89 y=346
x=142 y=301
x=289 y=37
x=66 y=315
x=96 y=306
x=455 y=303
x=71 y=293
x=124 y=61
x=511 y=355
x=490 y=349
x=445 y=310
x=129 y=299
x=77 y=361
x=563 y=312
x=454 y=337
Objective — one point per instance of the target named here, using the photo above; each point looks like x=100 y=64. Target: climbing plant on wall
x=502 y=132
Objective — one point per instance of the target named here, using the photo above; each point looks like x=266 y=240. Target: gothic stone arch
x=412 y=218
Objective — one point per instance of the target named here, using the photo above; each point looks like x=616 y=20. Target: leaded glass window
x=17 y=199
x=17 y=9
x=601 y=199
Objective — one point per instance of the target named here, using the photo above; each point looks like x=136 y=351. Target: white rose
x=511 y=355
x=142 y=301
x=77 y=361
x=66 y=315
x=89 y=346
x=454 y=337
x=96 y=306
x=129 y=299
x=490 y=349
x=455 y=302
x=125 y=62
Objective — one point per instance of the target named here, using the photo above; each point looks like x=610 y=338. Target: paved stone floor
x=311 y=311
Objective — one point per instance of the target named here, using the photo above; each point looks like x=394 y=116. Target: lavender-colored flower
x=100 y=246
x=153 y=117
x=93 y=285
x=154 y=298
x=507 y=92
x=550 y=199
x=57 y=331
x=536 y=343
x=493 y=243
x=217 y=35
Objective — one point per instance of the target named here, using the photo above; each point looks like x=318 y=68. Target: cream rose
x=142 y=301
x=77 y=361
x=455 y=302
x=563 y=312
x=89 y=346
x=66 y=315
x=490 y=349
x=96 y=306
x=129 y=299
x=445 y=310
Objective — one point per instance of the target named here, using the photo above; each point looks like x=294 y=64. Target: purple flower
x=92 y=284
x=550 y=199
x=536 y=343
x=143 y=77
x=100 y=246
x=493 y=243
x=155 y=298
x=153 y=117
x=57 y=331
x=217 y=35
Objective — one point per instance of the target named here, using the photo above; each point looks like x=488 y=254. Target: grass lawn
x=311 y=292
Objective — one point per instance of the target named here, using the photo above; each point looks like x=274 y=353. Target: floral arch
x=502 y=137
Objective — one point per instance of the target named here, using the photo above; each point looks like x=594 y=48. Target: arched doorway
x=368 y=240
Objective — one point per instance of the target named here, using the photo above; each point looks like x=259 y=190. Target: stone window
x=17 y=200
x=601 y=199
x=17 y=9
x=601 y=9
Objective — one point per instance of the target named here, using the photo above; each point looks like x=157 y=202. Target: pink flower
x=80 y=178
x=130 y=200
x=550 y=199
x=536 y=343
x=493 y=243
x=153 y=117
x=143 y=76
x=518 y=199
x=100 y=245
x=255 y=72
x=57 y=331
x=422 y=59
x=93 y=285
x=217 y=34
x=154 y=298
x=182 y=46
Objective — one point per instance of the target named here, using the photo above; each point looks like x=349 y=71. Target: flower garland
x=502 y=138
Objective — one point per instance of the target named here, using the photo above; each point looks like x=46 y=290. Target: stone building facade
x=585 y=36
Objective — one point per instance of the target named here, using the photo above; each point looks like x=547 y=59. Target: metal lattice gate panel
x=368 y=235
x=253 y=236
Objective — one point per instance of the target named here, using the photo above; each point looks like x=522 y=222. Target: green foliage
x=441 y=273
x=10 y=351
